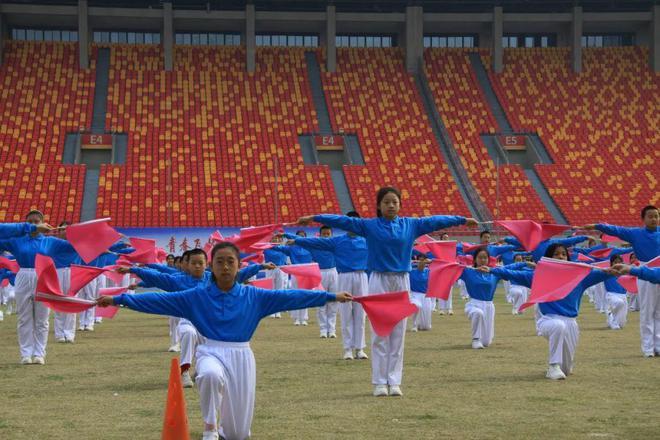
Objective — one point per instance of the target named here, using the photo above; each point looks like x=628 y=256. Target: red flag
x=465 y=260
x=208 y=247
x=255 y=258
x=263 y=283
x=145 y=251
x=4 y=283
x=90 y=239
x=584 y=258
x=421 y=243
x=47 y=280
x=549 y=230
x=554 y=279
x=530 y=233
x=307 y=275
x=443 y=275
x=64 y=304
x=609 y=238
x=628 y=282
x=249 y=236
x=110 y=311
x=386 y=310
x=6 y=263
x=654 y=262
x=424 y=238
x=161 y=254
x=443 y=250
x=217 y=236
x=468 y=248
x=81 y=276
x=602 y=264
x=601 y=253
x=116 y=277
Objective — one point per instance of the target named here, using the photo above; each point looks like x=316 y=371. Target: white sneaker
x=26 y=360
x=61 y=340
x=450 y=312
x=186 y=380
x=175 y=348
x=304 y=323
x=210 y=435
x=649 y=354
x=380 y=390
x=2 y=316
x=69 y=340
x=324 y=335
x=514 y=312
x=476 y=344
x=555 y=373
x=332 y=335
x=615 y=327
x=395 y=390
x=98 y=320
x=81 y=328
x=348 y=354
x=361 y=355
x=296 y=322
x=442 y=312
x=277 y=315
x=89 y=328
x=414 y=329
x=38 y=360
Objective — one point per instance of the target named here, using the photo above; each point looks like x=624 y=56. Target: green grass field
x=112 y=384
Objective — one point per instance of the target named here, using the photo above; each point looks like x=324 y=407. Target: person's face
x=518 y=259
x=177 y=264
x=485 y=238
x=422 y=263
x=325 y=233
x=633 y=259
x=184 y=265
x=481 y=259
x=35 y=219
x=560 y=254
x=591 y=242
x=197 y=265
x=225 y=265
x=617 y=260
x=390 y=206
x=170 y=261
x=301 y=234
x=444 y=237
x=652 y=218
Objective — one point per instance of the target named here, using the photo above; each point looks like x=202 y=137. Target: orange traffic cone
x=175 y=425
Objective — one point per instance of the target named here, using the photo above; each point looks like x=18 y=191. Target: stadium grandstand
x=237 y=113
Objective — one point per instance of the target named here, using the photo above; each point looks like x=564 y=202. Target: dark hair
x=64 y=223
x=480 y=250
x=197 y=251
x=177 y=258
x=353 y=214
x=615 y=257
x=224 y=245
x=382 y=193
x=484 y=232
x=169 y=255
x=301 y=233
x=185 y=256
x=550 y=251
x=646 y=209
x=443 y=234
x=325 y=227
x=35 y=212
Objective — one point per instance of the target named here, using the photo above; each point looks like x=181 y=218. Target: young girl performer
x=227 y=314
x=297 y=255
x=390 y=241
x=617 y=303
x=556 y=320
x=419 y=282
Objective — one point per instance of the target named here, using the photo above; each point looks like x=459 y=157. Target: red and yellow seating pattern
x=600 y=126
x=207 y=139
x=466 y=115
x=43 y=95
x=372 y=95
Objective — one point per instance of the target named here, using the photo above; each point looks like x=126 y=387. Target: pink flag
x=249 y=236
x=47 y=280
x=601 y=253
x=64 y=304
x=81 y=276
x=465 y=260
x=386 y=310
x=145 y=251
x=628 y=282
x=601 y=264
x=308 y=275
x=161 y=254
x=654 y=262
x=4 y=283
x=255 y=258
x=11 y=265
x=217 y=236
x=116 y=277
x=208 y=247
x=443 y=250
x=530 y=233
x=442 y=276
x=549 y=230
x=421 y=243
x=110 y=311
x=263 y=283
x=468 y=248
x=90 y=239
x=584 y=258
x=554 y=279
x=609 y=238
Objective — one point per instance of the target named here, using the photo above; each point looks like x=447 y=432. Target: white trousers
x=64 y=323
x=174 y=333
x=633 y=301
x=422 y=317
x=226 y=380
x=446 y=305
x=86 y=318
x=507 y=290
x=461 y=286
x=600 y=297
x=518 y=295
x=327 y=314
x=300 y=314
x=352 y=313
x=189 y=338
x=387 y=353
x=280 y=279
x=32 y=324
x=618 y=309
x=482 y=318
x=562 y=333
x=649 y=315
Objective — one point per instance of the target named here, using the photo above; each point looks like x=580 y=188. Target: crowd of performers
x=213 y=312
